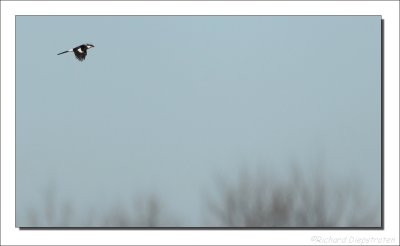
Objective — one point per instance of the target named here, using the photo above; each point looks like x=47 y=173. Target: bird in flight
x=79 y=51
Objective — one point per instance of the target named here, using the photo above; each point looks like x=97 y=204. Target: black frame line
x=217 y=228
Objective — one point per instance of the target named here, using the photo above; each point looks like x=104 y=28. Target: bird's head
x=89 y=46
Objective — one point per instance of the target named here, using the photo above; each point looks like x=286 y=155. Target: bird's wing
x=80 y=53
x=80 y=56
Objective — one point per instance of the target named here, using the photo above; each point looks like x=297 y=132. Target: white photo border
x=389 y=235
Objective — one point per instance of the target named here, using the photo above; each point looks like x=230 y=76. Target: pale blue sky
x=162 y=104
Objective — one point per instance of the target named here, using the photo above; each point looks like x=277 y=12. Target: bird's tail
x=63 y=52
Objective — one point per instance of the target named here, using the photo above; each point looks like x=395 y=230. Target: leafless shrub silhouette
x=253 y=199
x=52 y=214
x=260 y=200
x=146 y=211
x=151 y=213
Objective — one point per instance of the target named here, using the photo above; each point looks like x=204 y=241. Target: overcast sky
x=163 y=104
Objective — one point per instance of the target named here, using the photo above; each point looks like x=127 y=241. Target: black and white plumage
x=79 y=51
